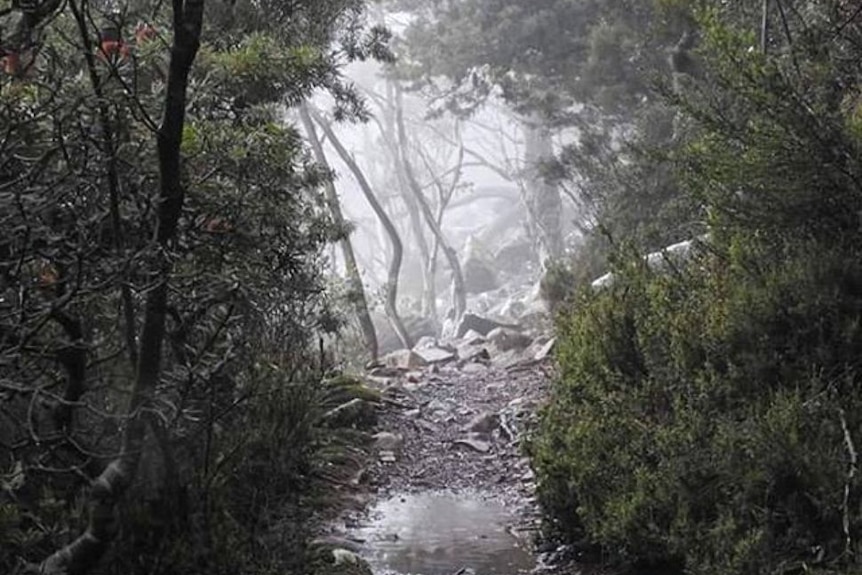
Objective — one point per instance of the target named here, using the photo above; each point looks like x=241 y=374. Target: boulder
x=480 y=325
x=506 y=339
x=405 y=359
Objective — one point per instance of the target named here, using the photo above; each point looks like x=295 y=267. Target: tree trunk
x=391 y=301
x=459 y=293
x=542 y=200
x=357 y=291
x=388 y=132
x=83 y=553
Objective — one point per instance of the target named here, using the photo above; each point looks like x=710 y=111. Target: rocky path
x=450 y=485
x=459 y=427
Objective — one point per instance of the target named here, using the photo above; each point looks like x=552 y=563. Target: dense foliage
x=234 y=422
x=706 y=417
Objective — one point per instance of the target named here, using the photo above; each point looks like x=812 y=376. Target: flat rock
x=479 y=445
x=432 y=355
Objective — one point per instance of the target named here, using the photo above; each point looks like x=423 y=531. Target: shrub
x=707 y=418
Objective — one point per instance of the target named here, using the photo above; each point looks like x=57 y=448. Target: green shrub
x=699 y=417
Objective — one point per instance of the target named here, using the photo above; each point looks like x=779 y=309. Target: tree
x=391 y=302
x=357 y=291
x=206 y=231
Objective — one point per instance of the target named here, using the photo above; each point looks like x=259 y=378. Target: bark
x=543 y=202
x=83 y=553
x=397 y=247
x=357 y=298
x=459 y=293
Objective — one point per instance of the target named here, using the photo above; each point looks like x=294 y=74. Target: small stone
x=387 y=457
x=385 y=441
x=475 y=444
x=412 y=413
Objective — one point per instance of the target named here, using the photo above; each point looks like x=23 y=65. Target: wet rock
x=506 y=339
x=404 y=359
x=479 y=324
x=386 y=441
x=434 y=355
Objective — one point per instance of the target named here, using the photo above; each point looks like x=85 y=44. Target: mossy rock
x=347 y=387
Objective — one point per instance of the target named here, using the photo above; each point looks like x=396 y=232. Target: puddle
x=438 y=533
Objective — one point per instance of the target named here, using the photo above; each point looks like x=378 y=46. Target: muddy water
x=439 y=533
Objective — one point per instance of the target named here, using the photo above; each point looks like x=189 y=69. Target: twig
x=851 y=474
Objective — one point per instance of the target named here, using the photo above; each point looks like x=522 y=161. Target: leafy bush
x=707 y=419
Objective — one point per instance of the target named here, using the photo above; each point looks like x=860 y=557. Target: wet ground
x=452 y=491
x=440 y=533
